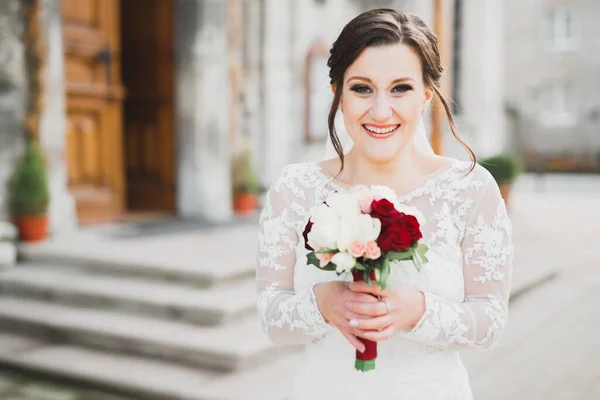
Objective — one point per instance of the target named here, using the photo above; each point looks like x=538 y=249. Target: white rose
x=345 y=204
x=325 y=229
x=360 y=228
x=368 y=228
x=384 y=192
x=344 y=262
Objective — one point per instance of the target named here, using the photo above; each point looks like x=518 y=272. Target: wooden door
x=147 y=52
x=93 y=100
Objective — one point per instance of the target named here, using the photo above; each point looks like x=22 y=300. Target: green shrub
x=503 y=167
x=243 y=176
x=29 y=193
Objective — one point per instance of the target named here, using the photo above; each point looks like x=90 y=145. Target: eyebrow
x=368 y=80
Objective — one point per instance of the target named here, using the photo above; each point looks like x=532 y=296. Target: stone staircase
x=167 y=317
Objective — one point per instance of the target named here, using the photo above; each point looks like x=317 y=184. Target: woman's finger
x=364 y=287
x=363 y=297
x=349 y=315
x=373 y=324
x=378 y=336
x=357 y=344
x=368 y=309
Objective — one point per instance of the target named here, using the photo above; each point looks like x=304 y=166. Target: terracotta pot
x=32 y=228
x=505 y=189
x=245 y=203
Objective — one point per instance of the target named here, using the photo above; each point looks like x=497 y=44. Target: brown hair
x=381 y=27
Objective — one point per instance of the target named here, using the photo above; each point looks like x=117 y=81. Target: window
x=558 y=105
x=562 y=30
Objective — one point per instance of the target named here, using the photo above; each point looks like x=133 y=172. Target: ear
x=428 y=97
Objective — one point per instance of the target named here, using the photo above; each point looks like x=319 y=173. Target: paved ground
x=19 y=387
x=550 y=347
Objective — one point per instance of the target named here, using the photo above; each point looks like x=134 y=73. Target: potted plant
x=246 y=186
x=505 y=168
x=29 y=194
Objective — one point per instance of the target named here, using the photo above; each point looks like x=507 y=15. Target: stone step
x=233 y=346
x=197 y=258
x=143 y=378
x=210 y=306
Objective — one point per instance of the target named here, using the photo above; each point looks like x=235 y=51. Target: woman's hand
x=334 y=299
x=374 y=321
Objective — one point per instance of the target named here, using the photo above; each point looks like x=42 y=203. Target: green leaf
x=417 y=261
x=311 y=259
x=399 y=255
x=360 y=266
x=422 y=250
x=385 y=275
x=325 y=250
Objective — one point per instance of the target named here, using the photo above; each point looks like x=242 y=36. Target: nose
x=381 y=108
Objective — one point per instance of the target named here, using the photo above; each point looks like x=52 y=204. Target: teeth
x=380 y=130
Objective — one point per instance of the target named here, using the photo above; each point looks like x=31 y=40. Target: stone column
x=202 y=93
x=278 y=82
x=62 y=213
x=482 y=120
x=12 y=96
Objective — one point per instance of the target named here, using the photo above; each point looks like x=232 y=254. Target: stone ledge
x=147 y=379
x=230 y=347
x=210 y=306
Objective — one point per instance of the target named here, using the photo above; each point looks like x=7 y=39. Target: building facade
x=552 y=102
x=149 y=100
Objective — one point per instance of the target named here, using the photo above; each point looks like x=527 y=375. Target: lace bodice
x=466 y=281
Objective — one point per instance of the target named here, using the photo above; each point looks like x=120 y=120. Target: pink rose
x=372 y=251
x=365 y=198
x=324 y=258
x=365 y=202
x=357 y=249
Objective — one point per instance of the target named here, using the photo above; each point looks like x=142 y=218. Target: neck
x=361 y=170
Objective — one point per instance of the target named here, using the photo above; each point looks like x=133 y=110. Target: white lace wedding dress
x=466 y=285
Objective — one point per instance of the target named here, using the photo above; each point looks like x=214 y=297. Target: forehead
x=383 y=64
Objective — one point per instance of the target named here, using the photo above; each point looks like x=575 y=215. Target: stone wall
x=12 y=95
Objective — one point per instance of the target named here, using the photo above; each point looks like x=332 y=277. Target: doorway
x=147 y=63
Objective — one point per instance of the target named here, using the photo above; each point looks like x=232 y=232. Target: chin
x=382 y=152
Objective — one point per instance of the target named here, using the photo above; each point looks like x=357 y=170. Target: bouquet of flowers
x=360 y=232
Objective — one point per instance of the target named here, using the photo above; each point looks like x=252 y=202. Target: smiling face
x=382 y=100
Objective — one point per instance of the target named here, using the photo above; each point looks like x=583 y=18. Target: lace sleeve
x=487 y=253
x=288 y=317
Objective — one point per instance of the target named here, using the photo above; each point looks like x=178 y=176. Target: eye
x=362 y=89
x=402 y=88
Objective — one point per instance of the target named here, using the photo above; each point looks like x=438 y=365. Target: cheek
x=408 y=108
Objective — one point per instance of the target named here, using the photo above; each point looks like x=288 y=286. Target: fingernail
x=351 y=285
x=368 y=334
x=348 y=305
x=353 y=323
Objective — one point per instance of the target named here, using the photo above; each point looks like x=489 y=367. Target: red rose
x=413 y=226
x=305 y=235
x=385 y=211
x=400 y=235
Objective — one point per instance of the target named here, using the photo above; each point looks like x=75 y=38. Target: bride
x=385 y=69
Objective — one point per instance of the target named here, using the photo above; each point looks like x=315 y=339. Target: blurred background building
x=147 y=102
x=552 y=82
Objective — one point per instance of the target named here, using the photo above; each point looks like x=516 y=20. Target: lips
x=380 y=131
